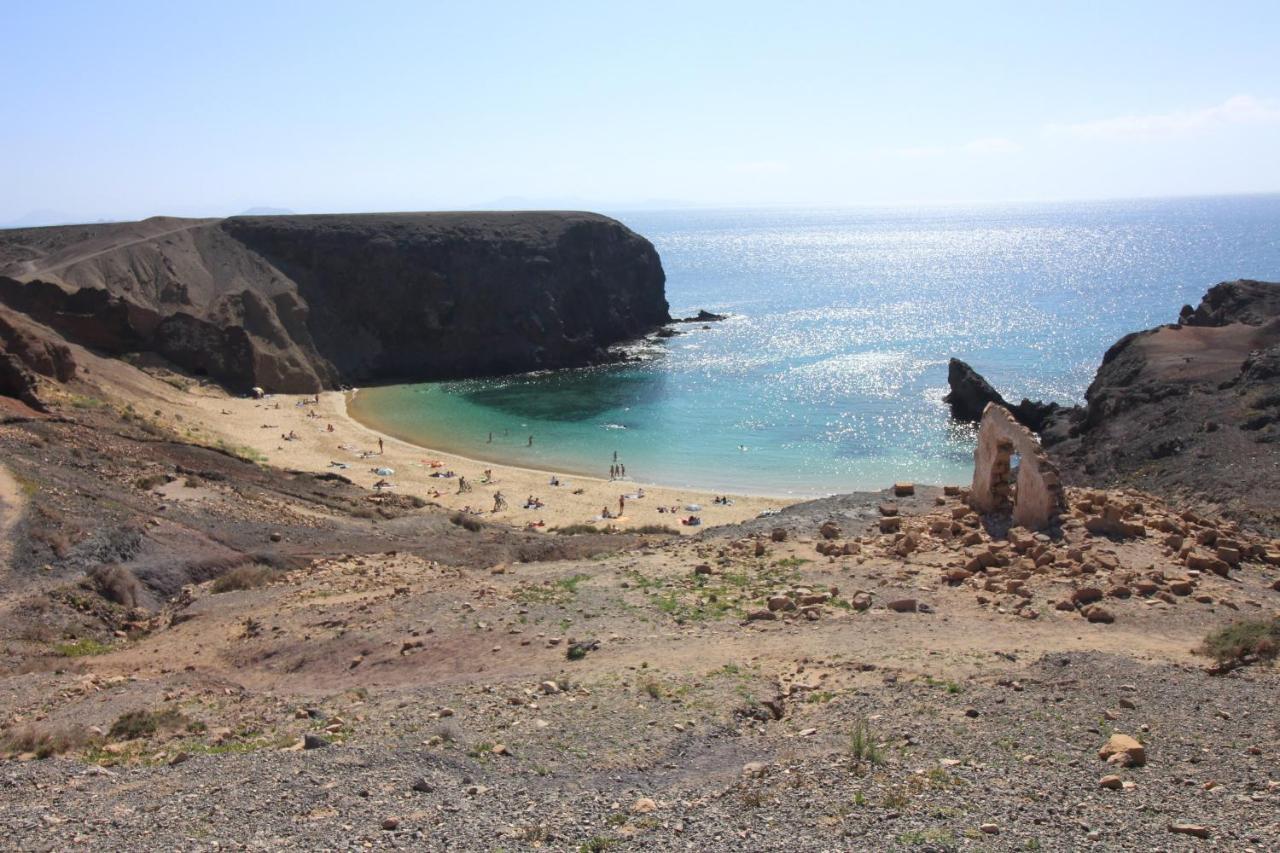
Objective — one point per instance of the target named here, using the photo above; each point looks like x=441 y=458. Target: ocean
x=829 y=374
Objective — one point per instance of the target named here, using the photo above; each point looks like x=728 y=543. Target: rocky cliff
x=1190 y=409
x=303 y=303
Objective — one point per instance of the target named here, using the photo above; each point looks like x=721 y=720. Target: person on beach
x=499 y=502
x=622 y=503
x=379 y=446
x=622 y=470
x=463 y=485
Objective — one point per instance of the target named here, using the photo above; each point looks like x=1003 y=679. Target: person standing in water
x=531 y=441
x=490 y=441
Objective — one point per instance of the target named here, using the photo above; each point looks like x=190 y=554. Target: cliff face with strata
x=303 y=303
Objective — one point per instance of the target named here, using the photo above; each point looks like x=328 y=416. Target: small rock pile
x=1002 y=563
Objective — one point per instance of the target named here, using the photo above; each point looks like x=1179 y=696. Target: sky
x=130 y=109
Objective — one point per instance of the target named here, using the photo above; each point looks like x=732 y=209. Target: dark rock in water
x=303 y=303
x=666 y=333
x=970 y=394
x=702 y=316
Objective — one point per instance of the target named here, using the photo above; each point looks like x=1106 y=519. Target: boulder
x=1123 y=750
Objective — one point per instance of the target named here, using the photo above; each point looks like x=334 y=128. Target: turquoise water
x=829 y=375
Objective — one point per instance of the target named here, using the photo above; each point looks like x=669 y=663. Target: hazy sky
x=126 y=109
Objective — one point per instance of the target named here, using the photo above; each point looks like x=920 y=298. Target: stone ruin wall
x=1036 y=499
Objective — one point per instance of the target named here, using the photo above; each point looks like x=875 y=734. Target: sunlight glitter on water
x=832 y=368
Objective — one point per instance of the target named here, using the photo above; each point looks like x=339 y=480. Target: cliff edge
x=1190 y=409
x=303 y=303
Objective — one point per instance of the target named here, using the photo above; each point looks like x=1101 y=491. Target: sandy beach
x=307 y=433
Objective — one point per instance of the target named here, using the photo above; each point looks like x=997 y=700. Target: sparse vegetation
x=142 y=723
x=466 y=522
x=943 y=838
x=82 y=647
x=116 y=584
x=245 y=577
x=655 y=530
x=241 y=451
x=581 y=529
x=151 y=481
x=1260 y=637
x=863 y=745
x=43 y=742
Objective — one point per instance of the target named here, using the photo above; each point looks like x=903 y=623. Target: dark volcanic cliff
x=301 y=303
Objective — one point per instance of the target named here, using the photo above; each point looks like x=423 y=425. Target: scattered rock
x=1123 y=750
x=1194 y=829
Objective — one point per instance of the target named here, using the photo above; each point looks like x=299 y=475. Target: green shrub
x=1259 y=637
x=863 y=745
x=82 y=647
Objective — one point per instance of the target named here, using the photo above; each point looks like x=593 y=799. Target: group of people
x=617 y=472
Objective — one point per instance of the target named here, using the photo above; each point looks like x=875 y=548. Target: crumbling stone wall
x=1036 y=498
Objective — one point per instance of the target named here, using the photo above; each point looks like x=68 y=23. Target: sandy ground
x=208 y=414
x=10 y=512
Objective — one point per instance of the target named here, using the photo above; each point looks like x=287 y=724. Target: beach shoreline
x=370 y=421
x=318 y=433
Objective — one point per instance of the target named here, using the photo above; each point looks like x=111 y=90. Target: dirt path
x=63 y=264
x=11 y=504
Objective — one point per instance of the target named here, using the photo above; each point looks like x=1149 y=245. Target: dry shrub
x=116 y=584
x=466 y=522
x=44 y=742
x=135 y=724
x=245 y=577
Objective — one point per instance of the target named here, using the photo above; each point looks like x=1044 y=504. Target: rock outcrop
x=26 y=354
x=1191 y=409
x=304 y=303
x=970 y=395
